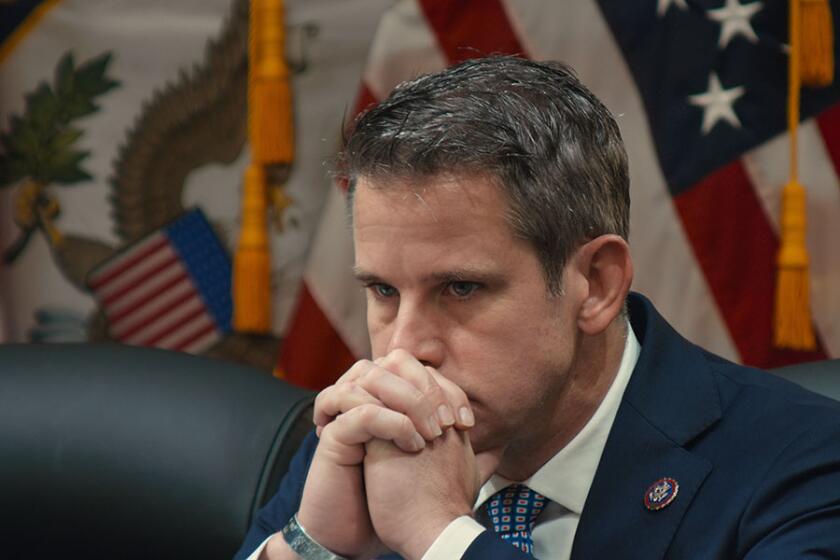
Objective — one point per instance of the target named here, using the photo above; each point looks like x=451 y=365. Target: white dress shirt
x=565 y=480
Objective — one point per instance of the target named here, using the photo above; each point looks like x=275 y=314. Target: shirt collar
x=567 y=477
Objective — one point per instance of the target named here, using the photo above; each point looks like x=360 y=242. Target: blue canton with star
x=713 y=77
x=207 y=263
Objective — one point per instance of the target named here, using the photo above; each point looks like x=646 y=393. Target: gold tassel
x=793 y=328
x=252 y=264
x=269 y=93
x=272 y=143
x=793 y=285
x=817 y=48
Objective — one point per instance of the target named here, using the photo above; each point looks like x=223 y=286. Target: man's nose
x=416 y=331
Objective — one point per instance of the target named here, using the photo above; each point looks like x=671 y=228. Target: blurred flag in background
x=144 y=104
x=699 y=90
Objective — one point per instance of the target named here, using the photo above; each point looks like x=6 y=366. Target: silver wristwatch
x=305 y=546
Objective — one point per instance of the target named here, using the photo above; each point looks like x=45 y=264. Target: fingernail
x=419 y=442
x=445 y=415
x=467 y=417
x=434 y=426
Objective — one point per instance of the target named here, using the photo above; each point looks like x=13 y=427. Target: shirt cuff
x=256 y=554
x=454 y=541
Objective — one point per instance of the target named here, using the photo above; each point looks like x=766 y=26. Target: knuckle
x=385 y=361
x=399 y=354
x=325 y=391
x=405 y=426
x=373 y=377
x=418 y=399
x=347 y=388
x=432 y=392
x=322 y=399
x=366 y=413
x=365 y=379
x=396 y=357
x=355 y=370
x=435 y=392
x=363 y=363
x=328 y=432
x=453 y=391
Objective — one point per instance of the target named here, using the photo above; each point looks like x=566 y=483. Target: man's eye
x=383 y=290
x=462 y=289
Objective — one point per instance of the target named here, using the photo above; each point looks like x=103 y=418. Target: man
x=519 y=401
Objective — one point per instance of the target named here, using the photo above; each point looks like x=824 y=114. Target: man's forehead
x=444 y=199
x=474 y=187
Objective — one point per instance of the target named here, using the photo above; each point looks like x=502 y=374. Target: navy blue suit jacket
x=757 y=460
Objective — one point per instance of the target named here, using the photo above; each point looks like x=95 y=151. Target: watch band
x=305 y=546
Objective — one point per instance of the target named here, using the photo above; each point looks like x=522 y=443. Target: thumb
x=487 y=462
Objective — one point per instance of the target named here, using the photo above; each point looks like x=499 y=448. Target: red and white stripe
x=706 y=258
x=149 y=299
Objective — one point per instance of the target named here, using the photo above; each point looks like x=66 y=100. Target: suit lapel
x=615 y=522
x=671 y=398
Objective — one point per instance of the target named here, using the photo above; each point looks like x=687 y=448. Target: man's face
x=448 y=282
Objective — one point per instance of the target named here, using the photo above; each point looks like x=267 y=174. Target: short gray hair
x=551 y=146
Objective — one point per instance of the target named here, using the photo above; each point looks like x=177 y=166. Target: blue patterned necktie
x=513 y=512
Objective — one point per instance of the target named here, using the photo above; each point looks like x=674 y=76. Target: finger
x=409 y=368
x=457 y=399
x=357 y=369
x=401 y=396
x=372 y=379
x=366 y=422
x=337 y=399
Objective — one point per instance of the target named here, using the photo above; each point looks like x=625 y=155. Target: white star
x=717 y=104
x=734 y=19
x=663 y=5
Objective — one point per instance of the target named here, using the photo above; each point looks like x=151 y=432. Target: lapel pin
x=661 y=493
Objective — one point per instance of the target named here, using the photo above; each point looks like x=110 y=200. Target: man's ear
x=607 y=268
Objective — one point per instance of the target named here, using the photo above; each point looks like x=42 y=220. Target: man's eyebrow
x=460 y=274
x=465 y=274
x=365 y=277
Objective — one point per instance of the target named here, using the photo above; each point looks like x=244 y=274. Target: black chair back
x=112 y=451
x=820 y=377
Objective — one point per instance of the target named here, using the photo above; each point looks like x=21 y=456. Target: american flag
x=699 y=90
x=169 y=290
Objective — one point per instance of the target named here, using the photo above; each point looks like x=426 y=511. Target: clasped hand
x=394 y=465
